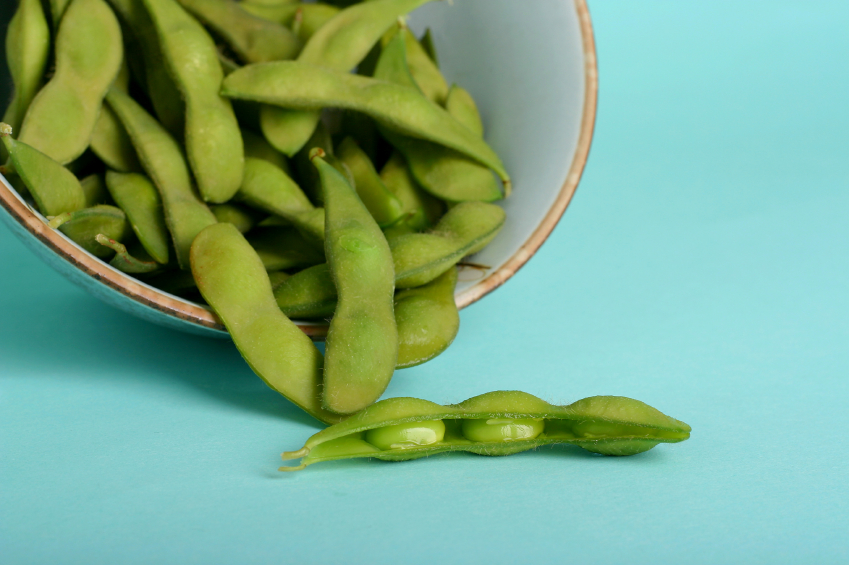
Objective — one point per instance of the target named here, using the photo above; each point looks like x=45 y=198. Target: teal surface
x=701 y=268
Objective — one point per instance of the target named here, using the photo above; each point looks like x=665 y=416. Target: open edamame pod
x=213 y=140
x=428 y=320
x=89 y=50
x=397 y=108
x=340 y=44
x=362 y=341
x=233 y=281
x=138 y=198
x=27 y=51
x=253 y=39
x=466 y=229
x=162 y=158
x=495 y=423
x=54 y=188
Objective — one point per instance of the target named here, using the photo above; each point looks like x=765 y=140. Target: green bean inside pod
x=495 y=423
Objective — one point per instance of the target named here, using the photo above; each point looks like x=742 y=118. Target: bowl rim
x=198 y=315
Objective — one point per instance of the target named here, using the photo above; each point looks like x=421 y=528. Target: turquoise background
x=702 y=268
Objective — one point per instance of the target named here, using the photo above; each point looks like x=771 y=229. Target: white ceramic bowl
x=531 y=67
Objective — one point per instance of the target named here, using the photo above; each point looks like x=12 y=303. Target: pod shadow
x=73 y=334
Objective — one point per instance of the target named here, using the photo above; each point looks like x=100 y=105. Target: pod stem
x=289 y=455
x=288 y=469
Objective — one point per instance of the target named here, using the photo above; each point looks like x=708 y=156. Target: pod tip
x=316 y=152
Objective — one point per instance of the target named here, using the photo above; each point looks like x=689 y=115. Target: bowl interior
x=534 y=81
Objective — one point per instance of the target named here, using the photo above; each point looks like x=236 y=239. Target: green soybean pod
x=421 y=209
x=233 y=281
x=239 y=216
x=386 y=209
x=340 y=44
x=162 y=158
x=57 y=10
x=139 y=199
x=123 y=260
x=94 y=188
x=253 y=39
x=429 y=45
x=466 y=229
x=112 y=145
x=89 y=51
x=309 y=294
x=212 y=137
x=495 y=423
x=428 y=320
x=257 y=147
x=441 y=171
x=166 y=99
x=54 y=188
x=397 y=108
x=362 y=341
x=27 y=51
x=83 y=227
x=269 y=188
x=424 y=69
x=461 y=105
x=281 y=248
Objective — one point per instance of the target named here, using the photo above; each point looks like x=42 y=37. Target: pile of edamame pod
x=281 y=160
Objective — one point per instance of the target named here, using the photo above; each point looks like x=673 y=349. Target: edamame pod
x=421 y=209
x=304 y=19
x=139 y=199
x=466 y=229
x=54 y=188
x=57 y=10
x=83 y=227
x=212 y=137
x=110 y=142
x=257 y=147
x=339 y=44
x=27 y=51
x=362 y=341
x=89 y=50
x=424 y=69
x=308 y=295
x=397 y=108
x=233 y=281
x=94 y=188
x=123 y=260
x=167 y=102
x=239 y=216
x=428 y=320
x=386 y=209
x=441 y=171
x=496 y=423
x=253 y=39
x=162 y=158
x=282 y=248
x=268 y=188
x=461 y=105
